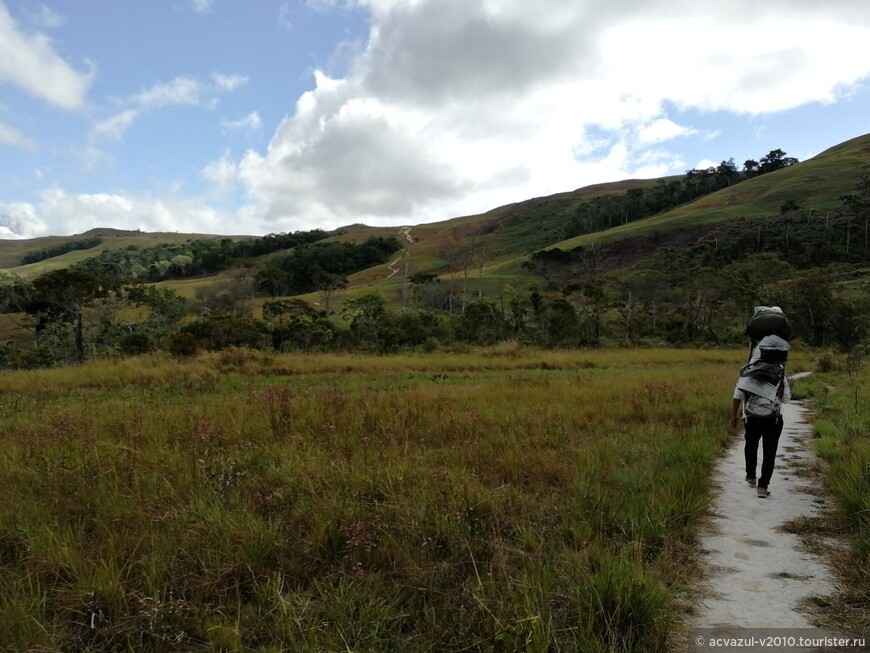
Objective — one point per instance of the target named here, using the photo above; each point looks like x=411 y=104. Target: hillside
x=816 y=184
x=511 y=233
x=675 y=259
x=12 y=251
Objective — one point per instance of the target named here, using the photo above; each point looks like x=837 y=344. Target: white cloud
x=179 y=91
x=228 y=83
x=29 y=61
x=222 y=174
x=327 y=5
x=251 y=122
x=70 y=214
x=187 y=91
x=90 y=158
x=202 y=6
x=46 y=17
x=663 y=129
x=11 y=136
x=735 y=65
x=20 y=220
x=115 y=127
x=284 y=16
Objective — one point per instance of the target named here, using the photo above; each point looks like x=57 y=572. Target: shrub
x=220 y=330
x=135 y=343
x=182 y=343
x=826 y=363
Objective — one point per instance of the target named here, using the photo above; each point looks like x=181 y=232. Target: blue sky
x=240 y=117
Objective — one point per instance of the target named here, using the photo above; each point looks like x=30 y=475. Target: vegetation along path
x=760 y=575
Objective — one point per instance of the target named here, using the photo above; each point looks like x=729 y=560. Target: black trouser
x=768 y=431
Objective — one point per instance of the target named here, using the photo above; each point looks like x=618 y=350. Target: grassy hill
x=506 y=236
x=511 y=233
x=12 y=251
x=813 y=184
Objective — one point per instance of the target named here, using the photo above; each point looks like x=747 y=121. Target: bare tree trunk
x=405 y=278
x=480 y=263
x=466 y=260
x=80 y=338
x=848 y=233
x=464 y=289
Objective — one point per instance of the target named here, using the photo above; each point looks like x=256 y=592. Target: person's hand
x=733 y=421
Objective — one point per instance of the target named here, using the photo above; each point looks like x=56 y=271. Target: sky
x=250 y=117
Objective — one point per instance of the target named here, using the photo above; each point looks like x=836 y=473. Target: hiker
x=761 y=389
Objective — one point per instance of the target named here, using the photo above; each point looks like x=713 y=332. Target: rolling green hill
x=490 y=249
x=813 y=184
x=12 y=251
x=509 y=234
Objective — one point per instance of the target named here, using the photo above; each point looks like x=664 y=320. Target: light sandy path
x=758 y=573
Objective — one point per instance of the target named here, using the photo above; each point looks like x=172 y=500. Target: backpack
x=764 y=375
x=761 y=407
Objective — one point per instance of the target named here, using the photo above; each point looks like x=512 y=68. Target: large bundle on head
x=768 y=321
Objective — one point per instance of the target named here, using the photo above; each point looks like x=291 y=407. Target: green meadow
x=503 y=499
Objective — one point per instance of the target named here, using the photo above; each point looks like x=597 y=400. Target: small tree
x=61 y=295
x=229 y=296
x=859 y=200
x=560 y=323
x=775 y=160
x=327 y=284
x=364 y=315
x=482 y=323
x=788 y=206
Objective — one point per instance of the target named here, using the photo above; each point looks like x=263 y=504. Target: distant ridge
x=110 y=231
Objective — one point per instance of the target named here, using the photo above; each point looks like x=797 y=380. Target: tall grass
x=501 y=500
x=841 y=401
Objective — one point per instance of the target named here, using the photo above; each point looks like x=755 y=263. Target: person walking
x=761 y=390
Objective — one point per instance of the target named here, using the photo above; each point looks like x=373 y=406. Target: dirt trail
x=759 y=574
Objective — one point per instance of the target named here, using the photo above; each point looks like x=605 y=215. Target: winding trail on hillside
x=393 y=267
x=758 y=575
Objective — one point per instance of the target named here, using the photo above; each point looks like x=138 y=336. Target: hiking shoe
x=762 y=493
x=751 y=481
